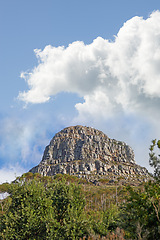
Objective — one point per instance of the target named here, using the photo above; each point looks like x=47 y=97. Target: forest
x=65 y=207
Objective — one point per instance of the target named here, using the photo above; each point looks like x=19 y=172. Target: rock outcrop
x=88 y=153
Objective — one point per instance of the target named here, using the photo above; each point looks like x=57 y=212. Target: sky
x=64 y=63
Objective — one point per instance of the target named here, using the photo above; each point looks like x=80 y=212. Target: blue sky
x=106 y=75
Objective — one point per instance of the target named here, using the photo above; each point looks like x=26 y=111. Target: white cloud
x=125 y=72
x=116 y=79
x=23 y=138
x=8 y=174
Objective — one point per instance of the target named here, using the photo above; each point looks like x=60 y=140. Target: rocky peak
x=89 y=153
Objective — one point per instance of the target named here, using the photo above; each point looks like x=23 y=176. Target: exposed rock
x=88 y=153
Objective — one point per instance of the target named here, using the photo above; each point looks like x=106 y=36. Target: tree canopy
x=39 y=210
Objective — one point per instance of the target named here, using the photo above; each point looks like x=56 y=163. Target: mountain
x=90 y=154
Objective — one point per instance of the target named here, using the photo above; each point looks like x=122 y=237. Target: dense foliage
x=155 y=158
x=44 y=210
x=141 y=212
x=65 y=207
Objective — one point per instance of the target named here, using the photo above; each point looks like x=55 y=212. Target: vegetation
x=155 y=159
x=38 y=209
x=64 y=207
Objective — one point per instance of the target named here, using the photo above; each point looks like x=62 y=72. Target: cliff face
x=88 y=153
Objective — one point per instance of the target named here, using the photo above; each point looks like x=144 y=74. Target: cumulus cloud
x=117 y=79
x=119 y=74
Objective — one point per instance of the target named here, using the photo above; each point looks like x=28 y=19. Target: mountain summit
x=90 y=154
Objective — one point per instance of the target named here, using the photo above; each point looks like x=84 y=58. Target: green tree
x=26 y=216
x=141 y=212
x=68 y=205
x=154 y=159
x=44 y=210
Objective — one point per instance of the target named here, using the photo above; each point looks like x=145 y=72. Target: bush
x=44 y=211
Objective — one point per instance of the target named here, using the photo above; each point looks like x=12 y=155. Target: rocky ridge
x=90 y=154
